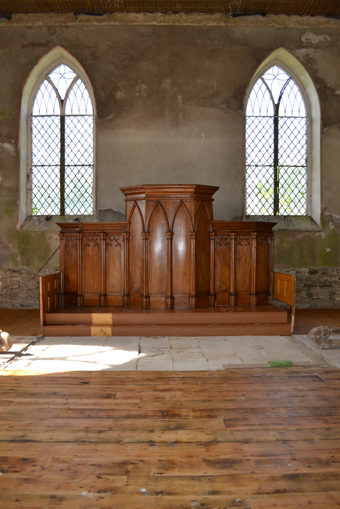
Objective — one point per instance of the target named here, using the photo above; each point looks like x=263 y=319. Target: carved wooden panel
x=114 y=270
x=181 y=258
x=262 y=265
x=203 y=258
x=92 y=269
x=157 y=266
x=70 y=269
x=136 y=265
x=222 y=269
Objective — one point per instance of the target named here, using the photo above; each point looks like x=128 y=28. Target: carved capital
x=145 y=235
x=169 y=235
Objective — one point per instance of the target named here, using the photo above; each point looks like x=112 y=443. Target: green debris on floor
x=280 y=364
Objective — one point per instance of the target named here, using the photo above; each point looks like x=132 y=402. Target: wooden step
x=138 y=316
x=267 y=320
x=165 y=329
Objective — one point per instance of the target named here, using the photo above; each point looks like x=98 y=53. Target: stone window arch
x=282 y=141
x=57 y=139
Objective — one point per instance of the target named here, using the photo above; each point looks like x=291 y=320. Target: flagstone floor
x=62 y=354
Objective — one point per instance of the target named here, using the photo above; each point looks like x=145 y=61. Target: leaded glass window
x=276 y=147
x=62 y=146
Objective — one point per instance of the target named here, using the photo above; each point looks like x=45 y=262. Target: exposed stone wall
x=19 y=288
x=316 y=287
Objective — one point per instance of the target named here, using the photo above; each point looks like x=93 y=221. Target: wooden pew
x=284 y=286
x=50 y=289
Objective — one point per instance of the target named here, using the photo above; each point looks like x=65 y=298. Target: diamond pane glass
x=259 y=166
x=292 y=166
x=45 y=165
x=78 y=189
x=45 y=140
x=260 y=101
x=46 y=101
x=279 y=141
x=45 y=190
x=292 y=103
x=79 y=140
x=78 y=101
x=62 y=146
x=79 y=164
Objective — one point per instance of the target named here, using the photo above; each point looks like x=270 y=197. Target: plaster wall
x=169 y=95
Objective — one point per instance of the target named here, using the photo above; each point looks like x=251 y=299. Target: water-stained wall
x=169 y=92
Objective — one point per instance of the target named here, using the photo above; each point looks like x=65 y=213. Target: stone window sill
x=289 y=223
x=49 y=223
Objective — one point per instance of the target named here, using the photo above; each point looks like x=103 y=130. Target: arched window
x=276 y=146
x=62 y=145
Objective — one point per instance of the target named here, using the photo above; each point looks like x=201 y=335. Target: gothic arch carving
x=164 y=215
x=181 y=204
x=203 y=205
x=135 y=206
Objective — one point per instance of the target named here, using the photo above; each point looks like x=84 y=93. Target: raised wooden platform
x=116 y=321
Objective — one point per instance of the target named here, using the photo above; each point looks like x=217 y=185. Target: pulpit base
x=265 y=320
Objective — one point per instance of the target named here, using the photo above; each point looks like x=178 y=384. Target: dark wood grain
x=254 y=439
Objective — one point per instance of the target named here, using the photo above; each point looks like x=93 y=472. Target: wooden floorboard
x=306 y=319
x=20 y=322
x=252 y=439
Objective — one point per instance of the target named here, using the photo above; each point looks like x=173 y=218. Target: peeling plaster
x=9 y=147
x=214 y=19
x=315 y=39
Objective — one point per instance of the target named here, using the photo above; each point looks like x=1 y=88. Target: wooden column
x=169 y=299
x=80 y=297
x=232 y=298
x=62 y=267
x=193 y=296
x=102 y=296
x=145 y=296
x=126 y=297
x=253 y=297
x=271 y=265
x=212 y=295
